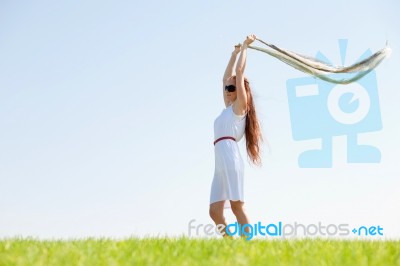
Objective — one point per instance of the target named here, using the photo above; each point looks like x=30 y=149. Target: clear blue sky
x=107 y=110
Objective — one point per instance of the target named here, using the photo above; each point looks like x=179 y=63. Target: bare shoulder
x=237 y=110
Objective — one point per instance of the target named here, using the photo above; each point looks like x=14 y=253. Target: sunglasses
x=230 y=88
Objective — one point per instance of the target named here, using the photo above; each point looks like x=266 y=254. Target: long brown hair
x=252 y=130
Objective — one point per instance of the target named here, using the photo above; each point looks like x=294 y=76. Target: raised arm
x=240 y=104
x=231 y=65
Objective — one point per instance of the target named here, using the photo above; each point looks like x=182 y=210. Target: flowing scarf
x=322 y=70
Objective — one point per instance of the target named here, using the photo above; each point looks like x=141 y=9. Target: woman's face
x=231 y=96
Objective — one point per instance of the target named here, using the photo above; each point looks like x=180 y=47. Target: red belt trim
x=222 y=138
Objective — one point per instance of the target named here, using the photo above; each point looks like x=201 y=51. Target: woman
x=237 y=119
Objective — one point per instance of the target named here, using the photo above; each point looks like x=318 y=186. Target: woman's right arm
x=231 y=65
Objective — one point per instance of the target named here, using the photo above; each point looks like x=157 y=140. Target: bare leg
x=217 y=214
x=241 y=216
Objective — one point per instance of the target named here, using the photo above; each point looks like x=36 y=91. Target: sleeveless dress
x=228 y=182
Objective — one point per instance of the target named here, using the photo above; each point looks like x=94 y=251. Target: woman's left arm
x=240 y=104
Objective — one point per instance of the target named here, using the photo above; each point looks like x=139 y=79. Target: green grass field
x=185 y=251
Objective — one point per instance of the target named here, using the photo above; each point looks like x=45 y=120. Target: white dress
x=227 y=183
